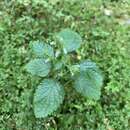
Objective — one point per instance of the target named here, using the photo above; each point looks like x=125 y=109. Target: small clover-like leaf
x=42 y=49
x=58 y=65
x=69 y=40
x=39 y=67
x=89 y=81
x=47 y=98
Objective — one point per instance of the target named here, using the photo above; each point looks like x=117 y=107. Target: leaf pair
x=40 y=66
x=69 y=40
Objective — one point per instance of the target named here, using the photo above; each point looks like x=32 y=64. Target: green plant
x=58 y=63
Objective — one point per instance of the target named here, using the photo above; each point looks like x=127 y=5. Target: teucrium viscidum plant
x=55 y=63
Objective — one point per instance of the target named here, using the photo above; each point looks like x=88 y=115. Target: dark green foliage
x=48 y=97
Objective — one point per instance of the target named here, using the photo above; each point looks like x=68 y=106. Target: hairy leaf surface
x=42 y=49
x=69 y=40
x=89 y=81
x=48 y=97
x=38 y=67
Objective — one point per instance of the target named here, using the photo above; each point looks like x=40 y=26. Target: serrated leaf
x=86 y=85
x=48 y=97
x=42 y=49
x=91 y=68
x=89 y=81
x=69 y=40
x=38 y=67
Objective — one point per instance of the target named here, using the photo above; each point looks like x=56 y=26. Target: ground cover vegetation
x=103 y=25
